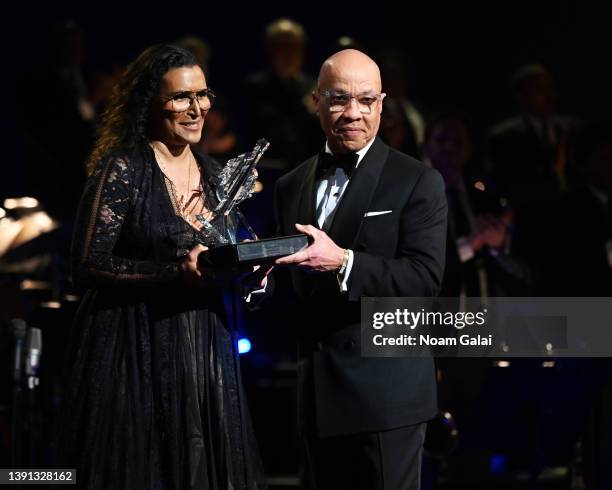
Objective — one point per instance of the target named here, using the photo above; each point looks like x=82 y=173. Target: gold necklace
x=184 y=199
x=180 y=204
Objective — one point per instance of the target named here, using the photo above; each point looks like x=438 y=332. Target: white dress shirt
x=328 y=196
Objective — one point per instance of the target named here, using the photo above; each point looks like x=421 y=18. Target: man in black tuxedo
x=531 y=155
x=377 y=218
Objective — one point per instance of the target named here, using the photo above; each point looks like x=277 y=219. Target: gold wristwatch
x=345 y=260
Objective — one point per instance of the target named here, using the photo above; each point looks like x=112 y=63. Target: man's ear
x=382 y=98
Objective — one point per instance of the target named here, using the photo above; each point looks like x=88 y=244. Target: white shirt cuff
x=261 y=290
x=344 y=276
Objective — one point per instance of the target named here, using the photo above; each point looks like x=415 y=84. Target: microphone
x=18 y=328
x=33 y=352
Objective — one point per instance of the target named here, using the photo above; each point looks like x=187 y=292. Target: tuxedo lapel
x=358 y=194
x=306 y=212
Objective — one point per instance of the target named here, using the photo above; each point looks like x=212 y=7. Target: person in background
x=532 y=154
x=479 y=258
x=65 y=110
x=277 y=99
x=580 y=239
x=402 y=124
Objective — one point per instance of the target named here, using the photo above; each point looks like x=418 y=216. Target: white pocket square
x=376 y=213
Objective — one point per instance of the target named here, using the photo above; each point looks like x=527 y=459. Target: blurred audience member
x=402 y=125
x=219 y=139
x=581 y=249
x=531 y=153
x=101 y=87
x=345 y=42
x=278 y=100
x=198 y=47
x=60 y=135
x=478 y=252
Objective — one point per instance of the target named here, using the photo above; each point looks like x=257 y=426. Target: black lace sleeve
x=104 y=208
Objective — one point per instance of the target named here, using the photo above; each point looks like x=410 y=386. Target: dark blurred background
x=511 y=101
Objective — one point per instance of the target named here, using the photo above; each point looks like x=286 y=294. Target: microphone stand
x=33 y=351
x=18 y=328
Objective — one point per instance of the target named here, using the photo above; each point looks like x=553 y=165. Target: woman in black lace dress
x=153 y=399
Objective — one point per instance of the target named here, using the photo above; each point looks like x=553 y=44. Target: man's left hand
x=322 y=255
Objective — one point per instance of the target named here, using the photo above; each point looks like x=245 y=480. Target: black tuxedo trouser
x=388 y=460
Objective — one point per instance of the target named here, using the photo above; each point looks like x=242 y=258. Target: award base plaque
x=247 y=254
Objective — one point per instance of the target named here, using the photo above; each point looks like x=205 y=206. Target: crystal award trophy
x=234 y=184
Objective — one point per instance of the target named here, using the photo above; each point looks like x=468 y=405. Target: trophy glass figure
x=228 y=226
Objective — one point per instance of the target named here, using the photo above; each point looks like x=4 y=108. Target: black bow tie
x=328 y=164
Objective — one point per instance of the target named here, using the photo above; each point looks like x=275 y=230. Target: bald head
x=350 y=63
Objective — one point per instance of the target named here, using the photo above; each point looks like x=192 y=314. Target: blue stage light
x=244 y=346
x=498 y=464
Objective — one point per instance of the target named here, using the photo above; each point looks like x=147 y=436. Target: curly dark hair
x=125 y=122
